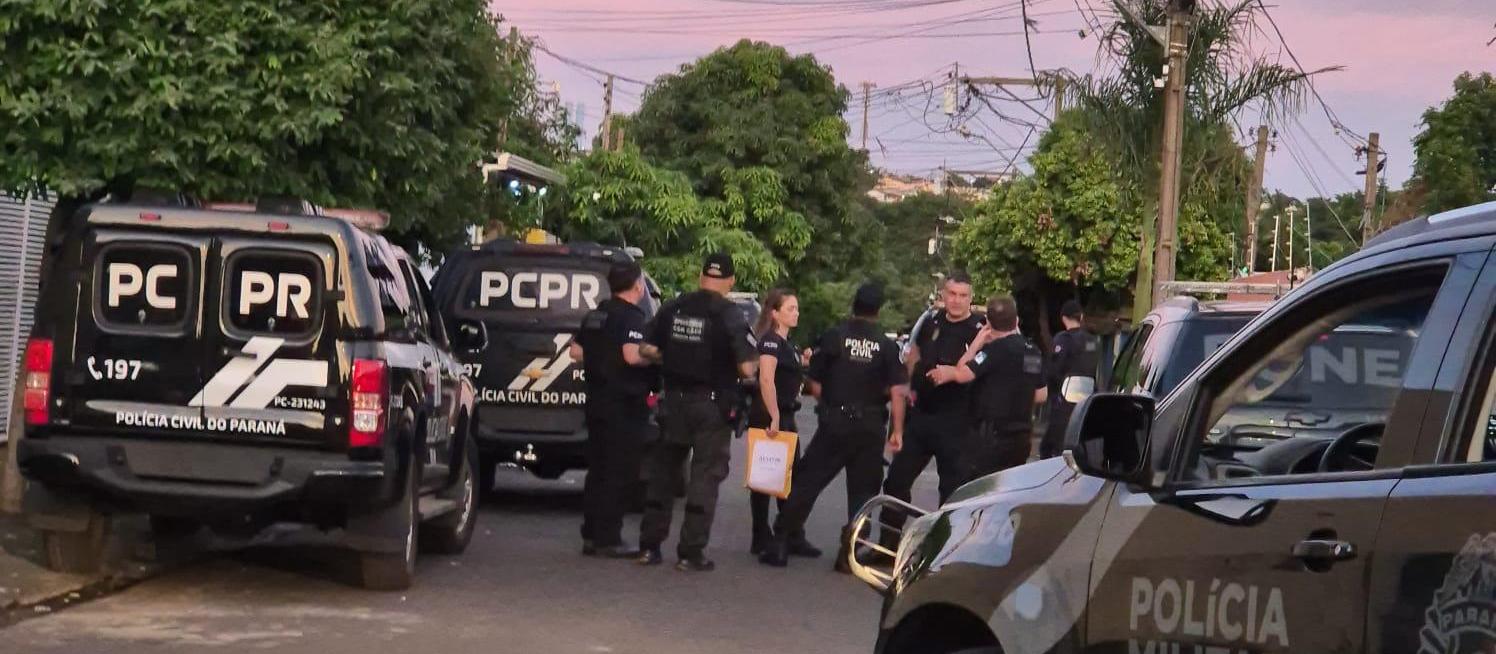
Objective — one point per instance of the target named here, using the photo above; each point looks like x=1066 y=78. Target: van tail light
x=38 y=382
x=370 y=393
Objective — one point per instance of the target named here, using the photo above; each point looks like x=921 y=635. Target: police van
x=532 y=298
x=1154 y=534
x=238 y=368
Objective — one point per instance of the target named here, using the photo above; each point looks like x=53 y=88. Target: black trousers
x=842 y=442
x=929 y=435
x=615 y=444
x=993 y=449
x=758 y=503
x=696 y=429
x=1054 y=434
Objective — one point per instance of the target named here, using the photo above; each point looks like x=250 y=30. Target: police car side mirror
x=472 y=336
x=1108 y=437
x=1076 y=389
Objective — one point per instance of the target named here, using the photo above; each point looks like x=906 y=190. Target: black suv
x=233 y=369
x=1153 y=533
x=532 y=298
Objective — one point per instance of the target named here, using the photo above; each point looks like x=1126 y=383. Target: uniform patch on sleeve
x=980 y=358
x=771 y=345
x=634 y=334
x=1058 y=348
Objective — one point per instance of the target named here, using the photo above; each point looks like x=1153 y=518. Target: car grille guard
x=872 y=552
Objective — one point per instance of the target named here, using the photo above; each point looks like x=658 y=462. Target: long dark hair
x=774 y=301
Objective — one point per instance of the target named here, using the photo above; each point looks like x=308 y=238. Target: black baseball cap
x=1072 y=309
x=718 y=266
x=868 y=300
x=623 y=276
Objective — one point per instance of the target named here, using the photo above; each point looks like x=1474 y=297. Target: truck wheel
x=386 y=571
x=451 y=533
x=79 y=552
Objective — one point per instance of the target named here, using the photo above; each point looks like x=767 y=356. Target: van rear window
x=269 y=292
x=530 y=290
x=143 y=287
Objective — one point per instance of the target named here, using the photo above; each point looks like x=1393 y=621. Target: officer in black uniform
x=854 y=374
x=619 y=379
x=1075 y=354
x=1006 y=373
x=937 y=425
x=701 y=340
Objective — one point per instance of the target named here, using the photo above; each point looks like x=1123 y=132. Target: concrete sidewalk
x=27 y=587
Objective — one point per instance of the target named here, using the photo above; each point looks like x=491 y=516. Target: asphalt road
x=522 y=586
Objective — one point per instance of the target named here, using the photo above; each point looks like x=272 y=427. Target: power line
x=583 y=65
x=1329 y=113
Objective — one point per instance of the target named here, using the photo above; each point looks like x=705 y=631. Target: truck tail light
x=38 y=382
x=369 y=395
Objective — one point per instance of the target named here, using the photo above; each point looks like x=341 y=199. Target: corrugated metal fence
x=23 y=231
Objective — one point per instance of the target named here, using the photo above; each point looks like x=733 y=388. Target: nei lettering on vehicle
x=536 y=290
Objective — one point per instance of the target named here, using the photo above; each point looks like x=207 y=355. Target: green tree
x=385 y=105
x=1455 y=162
x=1222 y=78
x=752 y=121
x=618 y=197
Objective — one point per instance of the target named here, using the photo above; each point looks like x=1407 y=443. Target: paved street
x=521 y=587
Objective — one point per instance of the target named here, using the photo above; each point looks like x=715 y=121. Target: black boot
x=650 y=556
x=841 y=564
x=778 y=554
x=696 y=563
x=762 y=540
x=801 y=547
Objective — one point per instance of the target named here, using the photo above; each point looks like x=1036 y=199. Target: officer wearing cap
x=1075 y=355
x=1006 y=373
x=854 y=374
x=619 y=380
x=937 y=425
x=701 y=340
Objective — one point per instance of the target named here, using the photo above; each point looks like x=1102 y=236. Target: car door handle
x=1324 y=550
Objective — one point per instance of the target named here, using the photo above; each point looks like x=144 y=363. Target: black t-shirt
x=941 y=342
x=702 y=337
x=604 y=332
x=1008 y=371
x=856 y=365
x=1075 y=355
x=789 y=374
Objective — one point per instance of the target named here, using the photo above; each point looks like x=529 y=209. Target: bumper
x=510 y=442
x=206 y=479
x=869 y=558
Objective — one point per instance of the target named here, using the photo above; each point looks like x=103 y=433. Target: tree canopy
x=385 y=105
x=1455 y=163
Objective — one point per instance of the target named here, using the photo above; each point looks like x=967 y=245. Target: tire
x=451 y=533
x=78 y=552
x=385 y=571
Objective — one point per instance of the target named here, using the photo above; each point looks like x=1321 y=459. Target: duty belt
x=693 y=394
x=857 y=411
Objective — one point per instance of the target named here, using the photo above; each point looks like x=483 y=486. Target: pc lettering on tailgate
x=1240 y=618
x=536 y=290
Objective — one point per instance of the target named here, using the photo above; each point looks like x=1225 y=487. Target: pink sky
x=1400 y=57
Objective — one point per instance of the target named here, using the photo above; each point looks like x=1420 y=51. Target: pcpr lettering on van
x=578 y=291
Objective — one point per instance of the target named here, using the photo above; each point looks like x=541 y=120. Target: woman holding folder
x=781 y=373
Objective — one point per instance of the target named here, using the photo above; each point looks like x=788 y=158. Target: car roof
x=191 y=218
x=1466 y=222
x=1184 y=307
x=580 y=249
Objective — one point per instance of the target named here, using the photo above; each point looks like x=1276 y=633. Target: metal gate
x=23 y=231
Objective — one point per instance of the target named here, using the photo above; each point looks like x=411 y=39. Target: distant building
x=895 y=188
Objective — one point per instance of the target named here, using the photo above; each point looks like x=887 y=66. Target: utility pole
x=1309 y=234
x=1173 y=140
x=1058 y=82
x=1373 y=159
x=1276 y=228
x=867 y=94
x=1291 y=210
x=1254 y=197
x=607 y=135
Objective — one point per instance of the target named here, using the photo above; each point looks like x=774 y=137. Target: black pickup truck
x=238 y=368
